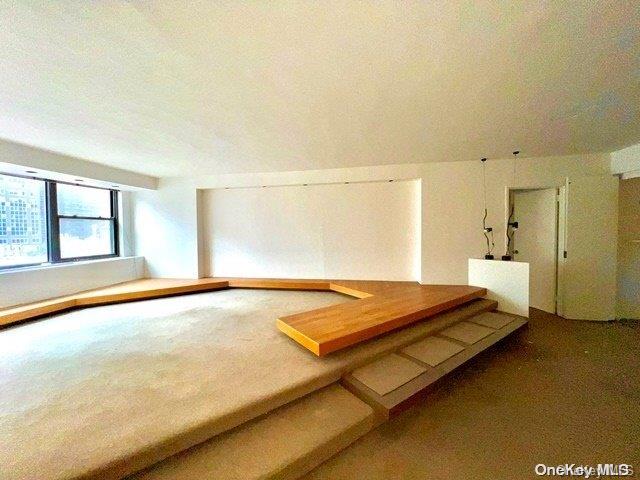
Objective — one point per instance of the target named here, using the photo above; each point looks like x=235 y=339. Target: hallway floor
x=560 y=391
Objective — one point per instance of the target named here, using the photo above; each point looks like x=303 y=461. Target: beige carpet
x=433 y=350
x=284 y=444
x=491 y=320
x=467 y=332
x=82 y=387
x=108 y=390
x=388 y=373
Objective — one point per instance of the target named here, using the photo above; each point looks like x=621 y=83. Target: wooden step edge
x=461 y=312
x=299 y=337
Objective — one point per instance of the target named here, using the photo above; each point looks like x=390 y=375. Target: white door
x=589 y=285
x=535 y=243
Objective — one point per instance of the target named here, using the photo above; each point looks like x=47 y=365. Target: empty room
x=319 y=240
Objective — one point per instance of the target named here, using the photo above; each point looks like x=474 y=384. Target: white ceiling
x=180 y=88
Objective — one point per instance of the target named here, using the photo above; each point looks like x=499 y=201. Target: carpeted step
x=284 y=444
x=399 y=379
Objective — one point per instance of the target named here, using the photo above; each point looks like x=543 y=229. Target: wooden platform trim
x=412 y=391
x=381 y=306
x=333 y=328
x=122 y=292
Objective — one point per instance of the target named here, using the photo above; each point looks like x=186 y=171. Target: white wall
x=451 y=208
x=628 y=301
x=125 y=229
x=506 y=282
x=357 y=230
x=166 y=220
x=165 y=230
x=39 y=283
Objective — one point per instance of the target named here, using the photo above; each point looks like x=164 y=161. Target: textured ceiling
x=180 y=88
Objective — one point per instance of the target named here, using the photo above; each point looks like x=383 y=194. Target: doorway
x=536 y=240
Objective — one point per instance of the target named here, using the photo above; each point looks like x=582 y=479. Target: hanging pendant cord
x=509 y=221
x=490 y=243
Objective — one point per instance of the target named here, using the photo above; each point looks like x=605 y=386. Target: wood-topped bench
x=380 y=308
x=332 y=328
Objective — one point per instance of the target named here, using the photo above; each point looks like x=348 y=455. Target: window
x=43 y=221
x=23 y=221
x=86 y=222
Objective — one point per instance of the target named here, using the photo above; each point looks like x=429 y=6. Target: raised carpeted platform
x=107 y=391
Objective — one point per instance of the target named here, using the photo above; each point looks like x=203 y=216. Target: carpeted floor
x=83 y=387
x=559 y=392
x=118 y=387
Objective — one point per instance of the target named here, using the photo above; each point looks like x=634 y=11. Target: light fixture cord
x=490 y=243
x=484 y=184
x=509 y=221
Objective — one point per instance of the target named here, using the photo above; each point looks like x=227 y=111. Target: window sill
x=49 y=266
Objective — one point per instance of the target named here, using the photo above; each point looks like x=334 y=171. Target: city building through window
x=48 y=222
